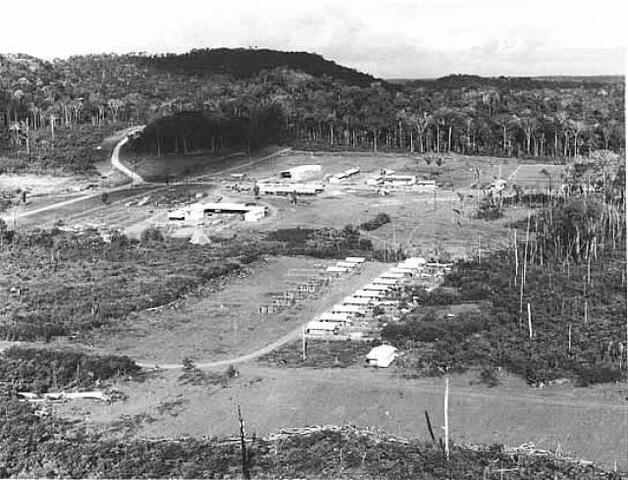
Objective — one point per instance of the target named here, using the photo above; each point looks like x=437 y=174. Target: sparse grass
x=319 y=354
x=220 y=322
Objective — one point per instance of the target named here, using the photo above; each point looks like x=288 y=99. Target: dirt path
x=288 y=337
x=116 y=162
x=115 y=156
x=190 y=332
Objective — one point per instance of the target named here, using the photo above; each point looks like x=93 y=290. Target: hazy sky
x=387 y=38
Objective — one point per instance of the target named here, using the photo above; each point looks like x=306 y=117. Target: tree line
x=302 y=100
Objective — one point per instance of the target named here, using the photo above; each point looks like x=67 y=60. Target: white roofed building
x=382 y=356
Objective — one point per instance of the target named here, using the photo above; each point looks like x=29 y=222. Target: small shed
x=381 y=356
x=415 y=262
x=355 y=259
x=200 y=238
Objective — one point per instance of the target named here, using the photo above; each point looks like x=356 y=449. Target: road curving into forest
x=115 y=156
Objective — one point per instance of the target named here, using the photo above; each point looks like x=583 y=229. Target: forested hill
x=476 y=81
x=52 y=113
x=246 y=62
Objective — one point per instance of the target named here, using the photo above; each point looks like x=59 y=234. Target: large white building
x=197 y=212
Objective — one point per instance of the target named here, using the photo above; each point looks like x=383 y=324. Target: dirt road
x=115 y=156
x=287 y=338
x=136 y=180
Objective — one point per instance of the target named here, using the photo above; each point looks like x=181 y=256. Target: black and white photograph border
x=287 y=239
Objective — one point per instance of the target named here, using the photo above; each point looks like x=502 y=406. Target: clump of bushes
x=40 y=370
x=380 y=220
x=192 y=375
x=489 y=210
x=90 y=284
x=151 y=234
x=319 y=243
x=432 y=329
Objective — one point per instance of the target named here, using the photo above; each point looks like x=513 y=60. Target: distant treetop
x=243 y=62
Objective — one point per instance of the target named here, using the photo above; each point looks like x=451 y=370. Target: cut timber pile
x=62 y=396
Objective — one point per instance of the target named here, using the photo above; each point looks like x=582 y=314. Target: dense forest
x=216 y=99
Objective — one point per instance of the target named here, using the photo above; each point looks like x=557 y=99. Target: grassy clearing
x=588 y=423
x=319 y=354
x=82 y=211
x=415 y=227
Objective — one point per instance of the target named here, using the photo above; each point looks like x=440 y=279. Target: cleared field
x=83 y=210
x=227 y=323
x=538 y=177
x=41 y=184
x=172 y=166
x=421 y=223
x=458 y=170
x=591 y=423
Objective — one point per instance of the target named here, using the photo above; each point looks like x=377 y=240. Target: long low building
x=369 y=294
x=354 y=310
x=346 y=264
x=337 y=269
x=300 y=172
x=290 y=188
x=356 y=301
x=377 y=288
x=344 y=175
x=393 y=275
x=335 y=317
x=399 y=180
x=355 y=259
x=392 y=282
x=321 y=329
x=197 y=212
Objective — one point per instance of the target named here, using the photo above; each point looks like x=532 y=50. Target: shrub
x=597 y=374
x=39 y=370
x=377 y=222
x=152 y=234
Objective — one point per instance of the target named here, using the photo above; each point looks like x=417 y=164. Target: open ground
x=224 y=325
x=589 y=423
